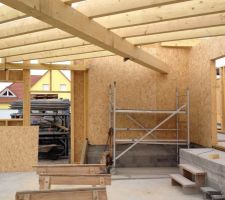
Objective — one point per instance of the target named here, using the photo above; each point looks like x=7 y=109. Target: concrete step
x=180 y=180
x=192 y=169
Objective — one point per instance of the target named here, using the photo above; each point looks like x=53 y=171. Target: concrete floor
x=132 y=184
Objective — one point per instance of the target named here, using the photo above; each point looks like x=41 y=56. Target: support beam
x=34 y=38
x=43 y=47
x=26 y=97
x=71 y=1
x=163 y=13
x=11 y=66
x=55 y=53
x=173 y=26
x=181 y=43
x=222 y=77
x=22 y=26
x=99 y=8
x=180 y=35
x=8 y=14
x=77 y=57
x=63 y=17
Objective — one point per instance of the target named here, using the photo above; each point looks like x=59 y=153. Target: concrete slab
x=154 y=188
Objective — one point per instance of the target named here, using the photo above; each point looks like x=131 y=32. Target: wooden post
x=222 y=99
x=79 y=101
x=26 y=97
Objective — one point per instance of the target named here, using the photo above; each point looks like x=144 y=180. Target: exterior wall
x=4 y=106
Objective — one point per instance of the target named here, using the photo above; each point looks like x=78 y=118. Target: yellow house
x=53 y=84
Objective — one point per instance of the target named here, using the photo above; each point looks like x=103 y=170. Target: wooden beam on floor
x=173 y=26
x=98 y=193
x=163 y=13
x=55 y=53
x=46 y=180
x=97 y=54
x=75 y=169
x=180 y=35
x=100 y=8
x=63 y=17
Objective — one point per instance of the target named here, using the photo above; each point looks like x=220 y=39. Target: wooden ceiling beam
x=9 y=14
x=55 y=13
x=173 y=26
x=21 y=27
x=43 y=47
x=77 y=57
x=71 y=1
x=99 y=8
x=180 y=35
x=163 y=13
x=55 y=53
x=34 y=38
x=11 y=66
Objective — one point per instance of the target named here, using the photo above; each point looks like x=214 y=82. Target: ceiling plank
x=55 y=53
x=181 y=43
x=43 y=47
x=163 y=13
x=71 y=1
x=22 y=26
x=172 y=26
x=99 y=8
x=9 y=14
x=34 y=38
x=55 y=13
x=77 y=57
x=180 y=35
x=36 y=66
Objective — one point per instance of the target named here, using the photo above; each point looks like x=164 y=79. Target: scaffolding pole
x=180 y=109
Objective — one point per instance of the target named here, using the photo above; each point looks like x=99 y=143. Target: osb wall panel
x=137 y=88
x=202 y=83
x=19 y=148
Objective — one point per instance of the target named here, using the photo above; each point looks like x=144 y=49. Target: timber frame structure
x=181 y=108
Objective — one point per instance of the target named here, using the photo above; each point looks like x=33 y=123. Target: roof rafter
x=163 y=13
x=60 y=16
x=99 y=8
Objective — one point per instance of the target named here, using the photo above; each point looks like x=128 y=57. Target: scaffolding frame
x=114 y=110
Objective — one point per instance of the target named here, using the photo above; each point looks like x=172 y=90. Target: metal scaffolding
x=180 y=109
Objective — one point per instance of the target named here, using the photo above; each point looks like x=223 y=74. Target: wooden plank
x=68 y=179
x=34 y=38
x=55 y=53
x=71 y=1
x=75 y=169
x=173 y=25
x=16 y=48
x=99 y=8
x=180 y=35
x=182 y=180
x=163 y=13
x=192 y=169
x=60 y=16
x=9 y=14
x=78 y=194
x=77 y=57
x=72 y=117
x=84 y=152
x=26 y=97
x=181 y=43
x=222 y=74
x=22 y=26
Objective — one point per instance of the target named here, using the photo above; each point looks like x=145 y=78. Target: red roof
x=17 y=89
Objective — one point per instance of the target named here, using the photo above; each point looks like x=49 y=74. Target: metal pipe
x=143 y=129
x=188 y=118
x=156 y=127
x=149 y=111
x=177 y=123
x=114 y=124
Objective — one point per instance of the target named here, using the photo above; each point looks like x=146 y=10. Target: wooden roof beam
x=99 y=8
x=71 y=1
x=55 y=53
x=173 y=26
x=55 y=13
x=43 y=47
x=9 y=14
x=180 y=35
x=163 y=13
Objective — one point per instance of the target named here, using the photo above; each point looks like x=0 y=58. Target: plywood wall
x=137 y=88
x=202 y=84
x=19 y=148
